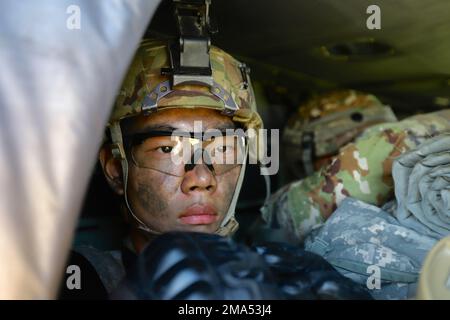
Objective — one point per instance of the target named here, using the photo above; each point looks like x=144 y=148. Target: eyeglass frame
x=131 y=140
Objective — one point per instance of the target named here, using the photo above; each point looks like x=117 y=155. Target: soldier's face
x=195 y=201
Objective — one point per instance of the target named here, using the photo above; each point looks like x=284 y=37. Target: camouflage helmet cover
x=144 y=77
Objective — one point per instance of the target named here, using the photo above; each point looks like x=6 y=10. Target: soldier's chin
x=204 y=228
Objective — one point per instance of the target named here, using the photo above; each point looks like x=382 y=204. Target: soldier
x=159 y=158
x=174 y=176
x=139 y=163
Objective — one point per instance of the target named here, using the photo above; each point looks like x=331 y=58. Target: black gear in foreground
x=199 y=266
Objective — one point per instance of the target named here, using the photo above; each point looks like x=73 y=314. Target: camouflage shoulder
x=362 y=170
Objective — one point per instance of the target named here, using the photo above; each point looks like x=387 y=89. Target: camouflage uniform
x=368 y=245
x=362 y=170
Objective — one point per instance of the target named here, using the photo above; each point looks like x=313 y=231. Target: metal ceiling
x=281 y=41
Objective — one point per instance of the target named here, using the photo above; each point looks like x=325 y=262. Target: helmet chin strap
x=229 y=224
x=116 y=135
x=140 y=224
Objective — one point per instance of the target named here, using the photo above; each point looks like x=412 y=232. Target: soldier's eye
x=166 y=149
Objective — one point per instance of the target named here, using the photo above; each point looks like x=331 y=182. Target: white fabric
x=56 y=89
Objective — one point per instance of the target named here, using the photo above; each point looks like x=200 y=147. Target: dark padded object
x=198 y=266
x=203 y=266
x=305 y=275
x=91 y=284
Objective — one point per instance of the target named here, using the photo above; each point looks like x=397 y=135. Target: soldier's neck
x=139 y=240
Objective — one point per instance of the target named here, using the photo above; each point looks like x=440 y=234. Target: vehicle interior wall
x=296 y=49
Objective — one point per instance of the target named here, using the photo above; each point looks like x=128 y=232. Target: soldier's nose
x=199 y=178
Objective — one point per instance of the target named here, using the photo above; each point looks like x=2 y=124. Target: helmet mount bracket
x=189 y=57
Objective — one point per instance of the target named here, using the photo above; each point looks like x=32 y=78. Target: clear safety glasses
x=176 y=152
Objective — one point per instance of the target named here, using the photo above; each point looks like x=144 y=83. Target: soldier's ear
x=112 y=169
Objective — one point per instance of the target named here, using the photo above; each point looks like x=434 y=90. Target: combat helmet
x=327 y=122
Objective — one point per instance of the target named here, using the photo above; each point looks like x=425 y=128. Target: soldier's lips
x=199 y=214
